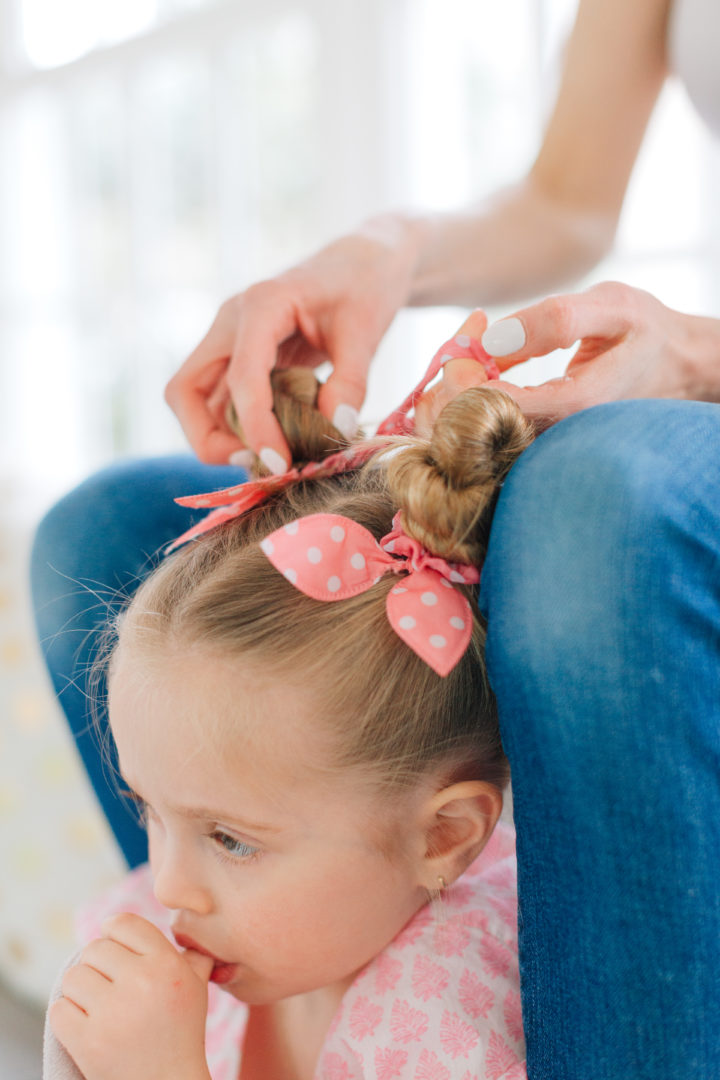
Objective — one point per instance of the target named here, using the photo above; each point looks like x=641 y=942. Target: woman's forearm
x=518 y=244
x=560 y=220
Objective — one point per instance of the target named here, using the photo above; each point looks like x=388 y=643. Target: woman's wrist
x=404 y=235
x=702 y=358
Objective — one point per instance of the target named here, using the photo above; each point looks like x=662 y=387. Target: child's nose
x=176 y=888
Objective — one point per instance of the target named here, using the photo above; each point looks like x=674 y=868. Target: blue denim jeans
x=602 y=591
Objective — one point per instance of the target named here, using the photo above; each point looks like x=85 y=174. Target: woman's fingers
x=553 y=400
x=266 y=318
x=343 y=393
x=189 y=391
x=604 y=311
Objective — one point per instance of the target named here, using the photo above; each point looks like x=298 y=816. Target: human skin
x=631 y=346
x=536 y=236
x=269 y=859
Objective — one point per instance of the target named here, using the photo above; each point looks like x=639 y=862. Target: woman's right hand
x=335 y=306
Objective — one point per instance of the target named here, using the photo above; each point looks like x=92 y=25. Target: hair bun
x=309 y=434
x=447 y=487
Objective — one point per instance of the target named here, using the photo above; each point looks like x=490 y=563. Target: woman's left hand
x=134 y=1007
x=631 y=346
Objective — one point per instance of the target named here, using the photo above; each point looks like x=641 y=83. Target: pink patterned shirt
x=441 y=1002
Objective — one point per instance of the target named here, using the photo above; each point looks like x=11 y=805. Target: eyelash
x=223 y=841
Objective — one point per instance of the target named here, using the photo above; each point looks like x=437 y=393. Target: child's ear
x=459 y=820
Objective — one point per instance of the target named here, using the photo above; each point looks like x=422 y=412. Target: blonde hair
x=392 y=714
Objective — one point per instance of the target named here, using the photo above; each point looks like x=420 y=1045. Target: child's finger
x=201 y=965
x=104 y=955
x=135 y=934
x=557 y=323
x=82 y=984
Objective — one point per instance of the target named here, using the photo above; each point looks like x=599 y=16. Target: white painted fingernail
x=346 y=420
x=242 y=458
x=504 y=337
x=272 y=461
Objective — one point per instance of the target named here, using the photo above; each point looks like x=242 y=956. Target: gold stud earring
x=437 y=905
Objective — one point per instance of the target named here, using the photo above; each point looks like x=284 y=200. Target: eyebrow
x=196 y=813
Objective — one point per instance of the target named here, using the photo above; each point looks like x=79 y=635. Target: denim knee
x=606 y=529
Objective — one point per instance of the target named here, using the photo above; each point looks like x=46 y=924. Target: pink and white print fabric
x=330 y=557
x=441 y=1002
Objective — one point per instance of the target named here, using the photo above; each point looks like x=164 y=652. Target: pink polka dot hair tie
x=330 y=557
x=461 y=346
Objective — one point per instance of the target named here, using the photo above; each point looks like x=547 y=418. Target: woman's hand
x=631 y=346
x=134 y=1008
x=336 y=306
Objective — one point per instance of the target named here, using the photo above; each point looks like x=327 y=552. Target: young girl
x=300 y=706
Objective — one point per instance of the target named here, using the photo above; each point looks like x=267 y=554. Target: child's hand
x=134 y=1008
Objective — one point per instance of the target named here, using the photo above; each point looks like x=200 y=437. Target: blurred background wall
x=157 y=156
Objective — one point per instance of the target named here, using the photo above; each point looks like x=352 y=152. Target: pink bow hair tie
x=330 y=557
x=234 y=501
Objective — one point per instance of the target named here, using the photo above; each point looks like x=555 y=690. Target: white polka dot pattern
x=330 y=557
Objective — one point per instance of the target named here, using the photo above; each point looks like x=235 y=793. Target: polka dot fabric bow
x=330 y=557
x=235 y=501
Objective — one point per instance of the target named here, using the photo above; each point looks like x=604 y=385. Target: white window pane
x=57 y=32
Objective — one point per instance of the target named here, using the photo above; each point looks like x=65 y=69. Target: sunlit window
x=57 y=33
x=158 y=155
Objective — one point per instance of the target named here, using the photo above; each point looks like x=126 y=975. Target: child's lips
x=222 y=971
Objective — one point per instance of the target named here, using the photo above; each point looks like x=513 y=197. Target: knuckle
x=229 y=306
x=352 y=385
x=559 y=313
x=625 y=300
x=120 y=921
x=615 y=293
x=257 y=293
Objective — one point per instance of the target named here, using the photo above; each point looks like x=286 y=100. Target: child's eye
x=230 y=844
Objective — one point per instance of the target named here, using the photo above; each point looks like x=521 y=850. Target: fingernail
x=346 y=420
x=504 y=337
x=242 y=458
x=272 y=461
